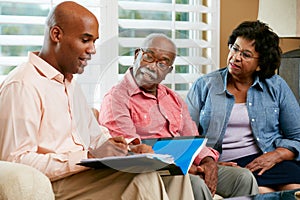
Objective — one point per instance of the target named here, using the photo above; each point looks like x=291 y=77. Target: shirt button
x=257 y=138
x=145 y=116
x=250 y=104
x=253 y=120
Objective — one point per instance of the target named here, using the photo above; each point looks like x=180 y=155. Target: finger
x=200 y=169
x=212 y=187
x=119 y=146
x=252 y=167
x=213 y=191
x=141 y=148
x=120 y=139
x=231 y=164
x=120 y=149
x=261 y=171
x=265 y=169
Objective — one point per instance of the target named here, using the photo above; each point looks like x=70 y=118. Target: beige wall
x=233 y=12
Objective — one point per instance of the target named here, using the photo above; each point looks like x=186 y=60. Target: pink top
x=129 y=111
x=45 y=120
x=238 y=139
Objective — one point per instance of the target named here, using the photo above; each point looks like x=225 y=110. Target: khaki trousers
x=109 y=184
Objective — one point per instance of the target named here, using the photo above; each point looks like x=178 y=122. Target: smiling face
x=77 y=46
x=148 y=74
x=239 y=67
x=70 y=38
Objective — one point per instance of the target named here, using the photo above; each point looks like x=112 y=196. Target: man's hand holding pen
x=117 y=146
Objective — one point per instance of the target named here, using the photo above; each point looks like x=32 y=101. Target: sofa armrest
x=22 y=182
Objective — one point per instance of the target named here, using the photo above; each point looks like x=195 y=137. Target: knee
x=197 y=182
x=245 y=177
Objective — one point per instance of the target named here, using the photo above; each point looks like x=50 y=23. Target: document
x=173 y=156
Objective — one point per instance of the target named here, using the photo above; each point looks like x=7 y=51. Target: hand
x=208 y=170
x=194 y=169
x=141 y=148
x=231 y=164
x=116 y=146
x=262 y=163
x=268 y=160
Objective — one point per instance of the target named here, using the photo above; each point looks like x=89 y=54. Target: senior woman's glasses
x=148 y=57
x=245 y=54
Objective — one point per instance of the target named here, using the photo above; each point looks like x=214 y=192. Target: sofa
x=22 y=182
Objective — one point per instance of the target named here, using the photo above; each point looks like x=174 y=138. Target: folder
x=173 y=156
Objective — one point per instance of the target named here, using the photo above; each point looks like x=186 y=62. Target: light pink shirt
x=45 y=121
x=129 y=111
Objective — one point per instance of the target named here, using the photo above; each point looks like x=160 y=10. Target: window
x=192 y=24
x=22 y=29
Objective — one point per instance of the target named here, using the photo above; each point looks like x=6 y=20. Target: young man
x=45 y=121
x=140 y=107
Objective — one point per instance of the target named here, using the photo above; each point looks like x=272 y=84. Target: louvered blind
x=192 y=24
x=22 y=28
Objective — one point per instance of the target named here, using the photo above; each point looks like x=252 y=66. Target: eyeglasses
x=245 y=54
x=150 y=58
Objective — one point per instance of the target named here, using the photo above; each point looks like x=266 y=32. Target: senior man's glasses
x=245 y=54
x=163 y=64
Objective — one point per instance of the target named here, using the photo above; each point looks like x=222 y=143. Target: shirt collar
x=46 y=69
x=224 y=72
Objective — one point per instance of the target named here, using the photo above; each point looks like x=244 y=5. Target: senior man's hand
x=141 y=148
x=208 y=170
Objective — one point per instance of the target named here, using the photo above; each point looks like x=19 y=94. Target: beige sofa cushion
x=22 y=182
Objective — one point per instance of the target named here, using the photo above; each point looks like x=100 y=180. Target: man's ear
x=170 y=69
x=136 y=52
x=56 y=33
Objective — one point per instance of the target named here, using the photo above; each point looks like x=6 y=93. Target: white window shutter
x=195 y=32
x=200 y=44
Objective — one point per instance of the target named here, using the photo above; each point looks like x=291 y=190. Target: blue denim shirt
x=273 y=111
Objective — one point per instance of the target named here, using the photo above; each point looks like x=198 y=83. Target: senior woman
x=249 y=113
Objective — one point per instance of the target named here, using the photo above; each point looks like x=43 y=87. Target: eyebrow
x=243 y=49
x=153 y=53
x=88 y=35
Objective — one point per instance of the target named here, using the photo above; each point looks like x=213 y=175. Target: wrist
x=207 y=159
x=284 y=154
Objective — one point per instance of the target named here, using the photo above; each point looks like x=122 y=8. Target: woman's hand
x=268 y=160
x=231 y=164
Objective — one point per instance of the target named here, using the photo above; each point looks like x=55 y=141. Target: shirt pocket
x=272 y=119
x=141 y=119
